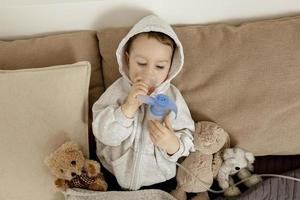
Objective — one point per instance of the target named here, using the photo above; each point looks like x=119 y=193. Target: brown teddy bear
x=72 y=170
x=209 y=141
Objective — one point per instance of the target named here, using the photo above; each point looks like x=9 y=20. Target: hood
x=147 y=24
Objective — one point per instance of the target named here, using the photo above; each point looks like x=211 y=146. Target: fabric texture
x=77 y=194
x=276 y=164
x=243 y=77
x=57 y=49
x=40 y=109
x=124 y=146
x=83 y=180
x=276 y=188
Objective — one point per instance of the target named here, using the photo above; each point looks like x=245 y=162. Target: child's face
x=150 y=59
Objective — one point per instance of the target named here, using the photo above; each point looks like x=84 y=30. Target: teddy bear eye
x=73 y=162
x=61 y=170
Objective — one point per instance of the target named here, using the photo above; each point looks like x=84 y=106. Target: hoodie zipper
x=135 y=173
x=136 y=176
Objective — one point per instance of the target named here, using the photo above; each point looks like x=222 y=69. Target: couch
x=244 y=77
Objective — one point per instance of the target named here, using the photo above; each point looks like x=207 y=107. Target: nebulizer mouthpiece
x=160 y=105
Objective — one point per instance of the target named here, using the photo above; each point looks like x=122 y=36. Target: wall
x=27 y=18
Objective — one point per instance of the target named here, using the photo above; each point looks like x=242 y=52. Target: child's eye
x=160 y=67
x=142 y=64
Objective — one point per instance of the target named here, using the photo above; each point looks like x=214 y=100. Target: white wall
x=24 y=18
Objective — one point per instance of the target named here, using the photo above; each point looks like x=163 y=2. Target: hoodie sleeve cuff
x=122 y=119
x=176 y=155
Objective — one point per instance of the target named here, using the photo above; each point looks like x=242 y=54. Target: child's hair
x=161 y=37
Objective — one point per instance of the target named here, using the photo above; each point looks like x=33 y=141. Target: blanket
x=151 y=194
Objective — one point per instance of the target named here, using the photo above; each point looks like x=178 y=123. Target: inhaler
x=160 y=104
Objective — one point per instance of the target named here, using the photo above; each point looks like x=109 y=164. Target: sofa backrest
x=246 y=78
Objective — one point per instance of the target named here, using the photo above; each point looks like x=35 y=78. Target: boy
x=139 y=151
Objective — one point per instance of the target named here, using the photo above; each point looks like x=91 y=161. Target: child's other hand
x=163 y=136
x=132 y=103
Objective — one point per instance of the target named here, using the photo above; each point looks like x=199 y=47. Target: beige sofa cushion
x=40 y=109
x=246 y=78
x=56 y=49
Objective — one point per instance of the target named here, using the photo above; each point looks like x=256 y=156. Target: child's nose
x=149 y=71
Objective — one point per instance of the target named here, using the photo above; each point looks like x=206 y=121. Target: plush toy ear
x=69 y=146
x=210 y=138
x=250 y=157
x=228 y=153
x=227 y=142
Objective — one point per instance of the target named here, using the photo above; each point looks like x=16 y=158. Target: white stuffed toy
x=236 y=161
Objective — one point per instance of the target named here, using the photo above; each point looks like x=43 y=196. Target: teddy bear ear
x=70 y=146
x=210 y=137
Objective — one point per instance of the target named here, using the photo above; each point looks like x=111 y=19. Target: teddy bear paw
x=98 y=185
x=224 y=184
x=232 y=191
x=92 y=168
x=61 y=184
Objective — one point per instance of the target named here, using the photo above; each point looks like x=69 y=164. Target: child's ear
x=127 y=57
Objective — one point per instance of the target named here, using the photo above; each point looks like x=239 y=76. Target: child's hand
x=163 y=136
x=132 y=104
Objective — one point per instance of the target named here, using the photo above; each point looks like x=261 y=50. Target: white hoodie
x=123 y=145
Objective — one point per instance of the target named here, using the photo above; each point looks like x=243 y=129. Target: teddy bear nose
x=237 y=168
x=73 y=174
